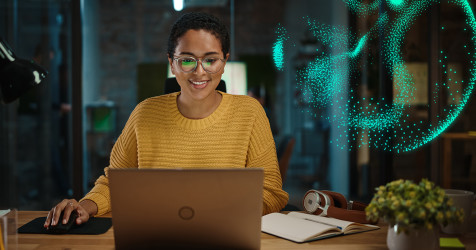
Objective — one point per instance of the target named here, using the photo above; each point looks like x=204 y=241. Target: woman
x=196 y=127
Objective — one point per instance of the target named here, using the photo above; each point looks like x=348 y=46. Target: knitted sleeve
x=262 y=154
x=123 y=155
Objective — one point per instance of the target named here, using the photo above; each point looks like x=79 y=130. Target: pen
x=340 y=228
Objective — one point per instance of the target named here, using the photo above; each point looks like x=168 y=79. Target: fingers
x=68 y=209
x=54 y=215
x=51 y=215
x=48 y=218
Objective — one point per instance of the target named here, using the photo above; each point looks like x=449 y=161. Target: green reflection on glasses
x=209 y=64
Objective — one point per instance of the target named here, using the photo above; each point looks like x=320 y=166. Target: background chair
x=171 y=85
x=284 y=152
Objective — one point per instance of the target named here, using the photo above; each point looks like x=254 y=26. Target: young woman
x=196 y=127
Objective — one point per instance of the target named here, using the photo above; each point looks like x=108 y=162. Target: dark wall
x=136 y=32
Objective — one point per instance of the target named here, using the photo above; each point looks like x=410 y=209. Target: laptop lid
x=188 y=208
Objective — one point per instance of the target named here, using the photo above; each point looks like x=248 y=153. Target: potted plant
x=414 y=212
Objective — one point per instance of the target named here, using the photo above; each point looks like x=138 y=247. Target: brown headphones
x=333 y=204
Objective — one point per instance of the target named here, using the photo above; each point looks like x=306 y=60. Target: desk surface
x=368 y=240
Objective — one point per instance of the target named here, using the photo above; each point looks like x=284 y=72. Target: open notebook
x=301 y=227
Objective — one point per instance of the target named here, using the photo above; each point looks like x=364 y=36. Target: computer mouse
x=61 y=228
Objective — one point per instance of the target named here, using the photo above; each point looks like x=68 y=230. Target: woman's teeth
x=198 y=83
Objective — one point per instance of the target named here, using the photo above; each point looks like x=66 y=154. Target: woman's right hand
x=85 y=209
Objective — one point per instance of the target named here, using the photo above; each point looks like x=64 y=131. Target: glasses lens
x=211 y=64
x=187 y=64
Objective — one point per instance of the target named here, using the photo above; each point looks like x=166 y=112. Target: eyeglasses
x=209 y=64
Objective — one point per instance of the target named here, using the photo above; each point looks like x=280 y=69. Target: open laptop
x=186 y=208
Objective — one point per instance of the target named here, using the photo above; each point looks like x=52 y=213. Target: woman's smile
x=199 y=84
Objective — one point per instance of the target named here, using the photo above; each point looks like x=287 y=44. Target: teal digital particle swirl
x=278 y=47
x=376 y=122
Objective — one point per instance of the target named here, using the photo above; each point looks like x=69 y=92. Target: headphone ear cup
x=311 y=202
x=337 y=199
x=317 y=202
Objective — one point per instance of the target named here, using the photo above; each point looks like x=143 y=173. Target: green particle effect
x=278 y=48
x=379 y=123
x=396 y=2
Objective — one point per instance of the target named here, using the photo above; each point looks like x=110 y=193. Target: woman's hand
x=85 y=209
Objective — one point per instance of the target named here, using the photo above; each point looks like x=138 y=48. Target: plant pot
x=413 y=239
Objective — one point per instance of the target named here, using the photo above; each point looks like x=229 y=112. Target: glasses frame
x=196 y=64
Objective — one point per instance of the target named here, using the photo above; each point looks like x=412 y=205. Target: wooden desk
x=368 y=240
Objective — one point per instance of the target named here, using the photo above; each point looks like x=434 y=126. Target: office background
x=105 y=56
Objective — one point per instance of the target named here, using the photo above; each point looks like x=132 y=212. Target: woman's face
x=197 y=84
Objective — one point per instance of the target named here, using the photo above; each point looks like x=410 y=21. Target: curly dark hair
x=198 y=21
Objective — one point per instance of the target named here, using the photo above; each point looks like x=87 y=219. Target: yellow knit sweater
x=236 y=135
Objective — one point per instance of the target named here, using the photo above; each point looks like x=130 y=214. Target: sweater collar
x=196 y=124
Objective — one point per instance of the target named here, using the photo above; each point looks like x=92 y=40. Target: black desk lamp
x=17 y=75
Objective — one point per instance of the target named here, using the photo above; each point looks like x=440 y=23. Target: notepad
x=451 y=243
x=302 y=227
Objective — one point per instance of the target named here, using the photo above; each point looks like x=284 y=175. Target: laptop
x=186 y=208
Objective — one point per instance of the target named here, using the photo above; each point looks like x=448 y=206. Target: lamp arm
x=17 y=75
